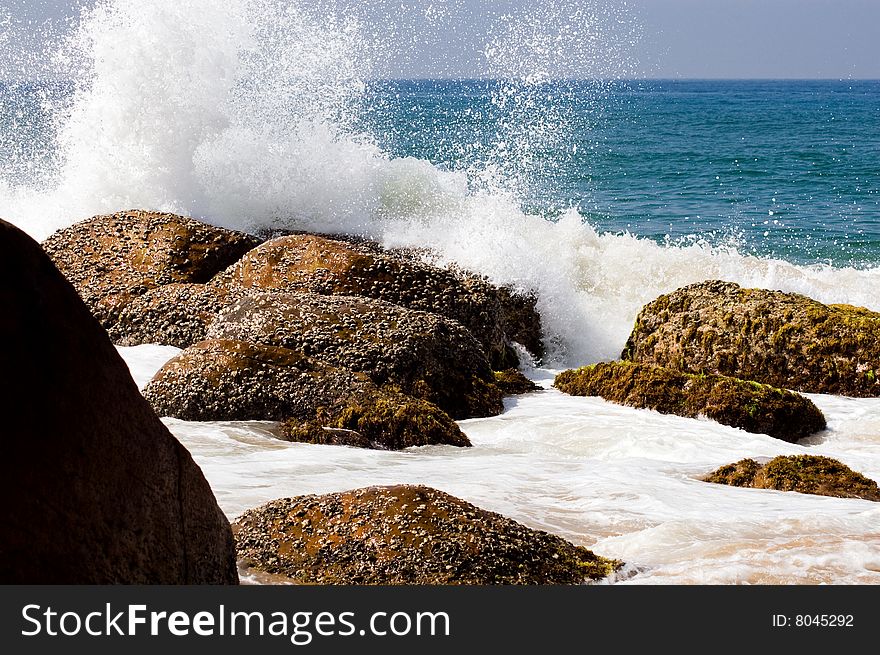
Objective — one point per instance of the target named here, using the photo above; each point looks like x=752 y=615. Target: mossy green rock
x=405 y=535
x=512 y=382
x=784 y=339
x=750 y=406
x=806 y=474
x=384 y=419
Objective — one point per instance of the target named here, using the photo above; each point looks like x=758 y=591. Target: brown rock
x=97 y=490
x=229 y=380
x=405 y=535
x=806 y=474
x=426 y=355
x=349 y=267
x=750 y=406
x=176 y=315
x=783 y=339
x=113 y=259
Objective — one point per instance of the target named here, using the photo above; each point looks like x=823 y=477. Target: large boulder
x=229 y=380
x=350 y=267
x=411 y=535
x=113 y=259
x=783 y=339
x=750 y=406
x=97 y=490
x=424 y=354
x=806 y=474
x=176 y=315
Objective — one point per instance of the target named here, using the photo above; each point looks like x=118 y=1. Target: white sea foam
x=621 y=481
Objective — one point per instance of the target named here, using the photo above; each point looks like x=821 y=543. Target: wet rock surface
x=807 y=474
x=350 y=267
x=113 y=259
x=229 y=380
x=405 y=535
x=426 y=355
x=98 y=490
x=750 y=406
x=783 y=339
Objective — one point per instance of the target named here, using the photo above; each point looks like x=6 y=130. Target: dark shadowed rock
x=176 y=315
x=750 y=406
x=426 y=355
x=783 y=339
x=113 y=259
x=807 y=474
x=405 y=535
x=511 y=382
x=349 y=267
x=229 y=380
x=97 y=490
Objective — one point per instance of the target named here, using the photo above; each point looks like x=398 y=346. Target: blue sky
x=640 y=38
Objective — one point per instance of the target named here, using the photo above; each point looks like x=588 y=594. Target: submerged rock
x=405 y=535
x=783 y=339
x=750 y=406
x=426 y=355
x=113 y=259
x=806 y=474
x=348 y=267
x=229 y=380
x=97 y=489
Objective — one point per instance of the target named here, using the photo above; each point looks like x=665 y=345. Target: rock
x=384 y=419
x=426 y=355
x=348 y=267
x=750 y=406
x=112 y=260
x=229 y=380
x=410 y=535
x=512 y=382
x=171 y=315
x=807 y=474
x=97 y=490
x=783 y=339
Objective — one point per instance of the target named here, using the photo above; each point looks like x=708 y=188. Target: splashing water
x=244 y=115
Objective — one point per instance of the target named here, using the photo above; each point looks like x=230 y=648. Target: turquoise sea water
x=788 y=169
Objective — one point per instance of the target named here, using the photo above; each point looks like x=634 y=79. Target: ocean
x=598 y=195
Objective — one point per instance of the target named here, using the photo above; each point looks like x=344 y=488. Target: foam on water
x=618 y=480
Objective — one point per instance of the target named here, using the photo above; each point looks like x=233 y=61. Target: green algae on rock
x=751 y=406
x=512 y=382
x=384 y=418
x=405 y=535
x=806 y=474
x=783 y=339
